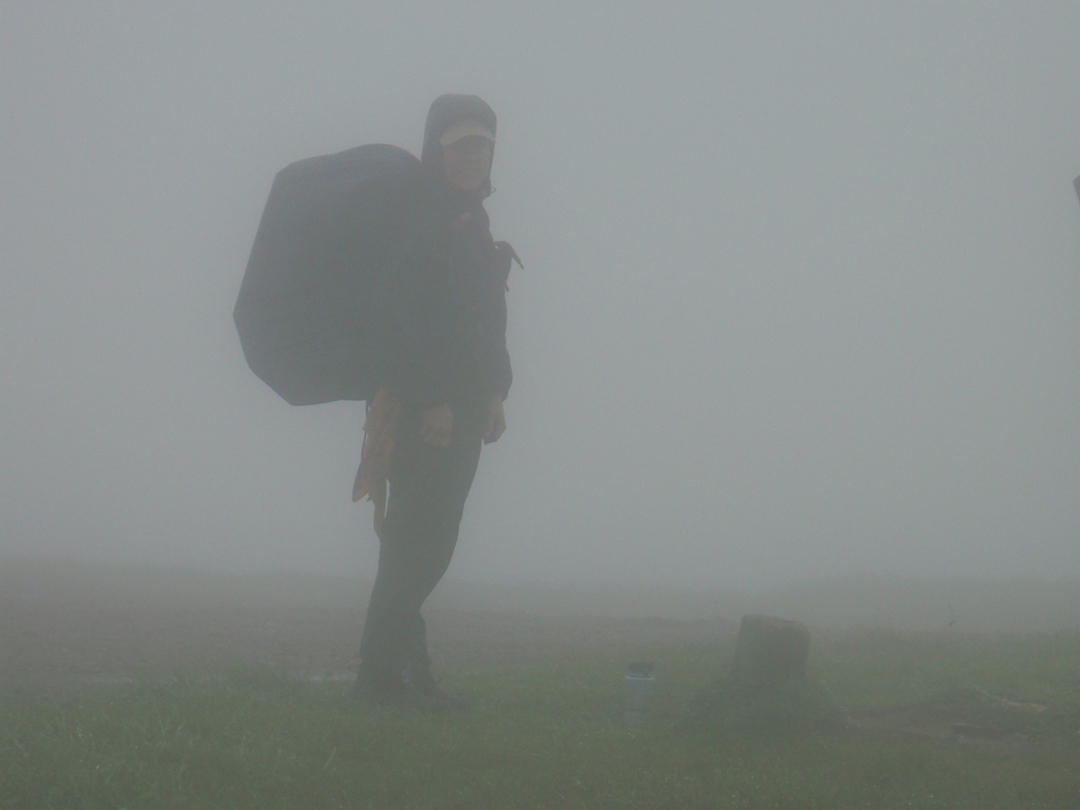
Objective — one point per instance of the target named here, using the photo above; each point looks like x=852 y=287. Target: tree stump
x=770 y=651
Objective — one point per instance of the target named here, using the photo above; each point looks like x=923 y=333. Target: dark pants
x=428 y=488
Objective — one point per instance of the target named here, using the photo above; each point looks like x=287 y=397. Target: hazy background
x=801 y=292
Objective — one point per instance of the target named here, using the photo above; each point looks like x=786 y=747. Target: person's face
x=467 y=162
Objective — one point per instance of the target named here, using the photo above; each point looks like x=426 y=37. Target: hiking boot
x=383 y=689
x=430 y=698
x=436 y=700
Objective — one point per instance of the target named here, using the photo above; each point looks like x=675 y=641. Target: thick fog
x=801 y=292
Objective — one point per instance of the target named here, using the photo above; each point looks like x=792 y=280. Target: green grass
x=549 y=734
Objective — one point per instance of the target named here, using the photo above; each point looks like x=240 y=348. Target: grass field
x=934 y=721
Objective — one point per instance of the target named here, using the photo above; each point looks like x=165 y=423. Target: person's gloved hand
x=437 y=425
x=496 y=419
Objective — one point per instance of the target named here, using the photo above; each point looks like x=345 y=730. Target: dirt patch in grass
x=942 y=720
x=967 y=724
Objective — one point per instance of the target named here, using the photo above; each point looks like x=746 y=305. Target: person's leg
x=383 y=651
x=441 y=527
x=428 y=489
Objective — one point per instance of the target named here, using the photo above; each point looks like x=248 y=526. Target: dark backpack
x=307 y=301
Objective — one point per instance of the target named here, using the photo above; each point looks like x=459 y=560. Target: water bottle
x=640 y=685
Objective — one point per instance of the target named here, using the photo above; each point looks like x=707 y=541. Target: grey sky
x=800 y=296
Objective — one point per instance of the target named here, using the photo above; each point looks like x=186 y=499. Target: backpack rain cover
x=307 y=300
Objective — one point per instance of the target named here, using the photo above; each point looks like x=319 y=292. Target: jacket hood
x=444 y=111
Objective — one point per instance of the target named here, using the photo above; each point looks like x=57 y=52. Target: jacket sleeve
x=501 y=373
x=504 y=375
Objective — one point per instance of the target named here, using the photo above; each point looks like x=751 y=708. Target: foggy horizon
x=800 y=292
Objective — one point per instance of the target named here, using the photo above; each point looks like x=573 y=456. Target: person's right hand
x=437 y=425
x=496 y=419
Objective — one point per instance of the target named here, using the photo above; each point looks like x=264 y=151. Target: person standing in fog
x=444 y=372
